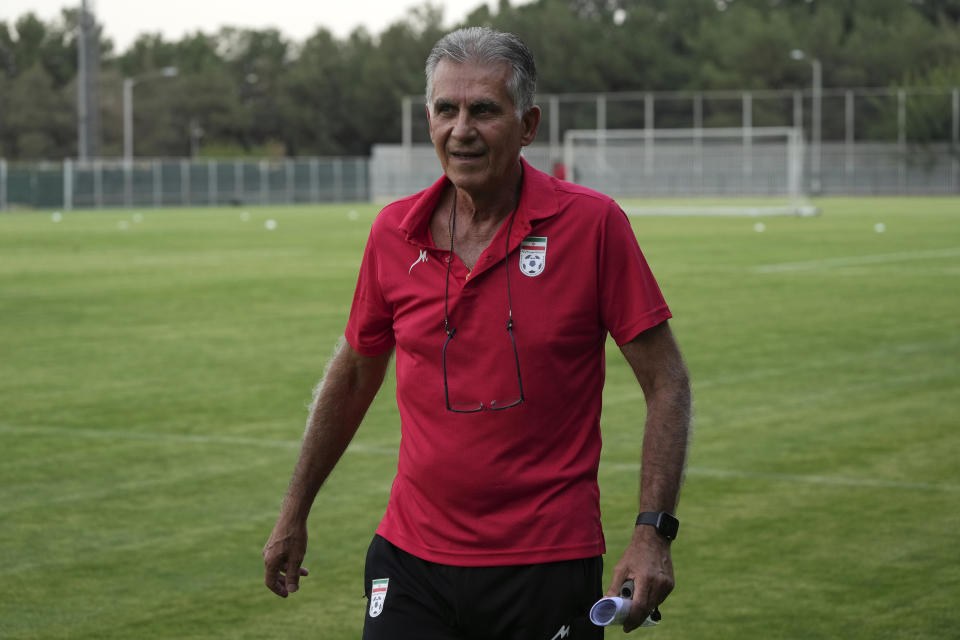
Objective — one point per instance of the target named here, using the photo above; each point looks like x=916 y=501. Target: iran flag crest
x=378 y=593
x=533 y=255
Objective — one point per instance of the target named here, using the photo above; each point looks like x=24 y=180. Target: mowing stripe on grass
x=819 y=396
x=371 y=450
x=42 y=498
x=850 y=261
x=836 y=481
x=176 y=437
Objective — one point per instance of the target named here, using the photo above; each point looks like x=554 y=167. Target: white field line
x=836 y=481
x=851 y=261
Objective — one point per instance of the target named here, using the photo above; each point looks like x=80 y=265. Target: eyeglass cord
x=452 y=226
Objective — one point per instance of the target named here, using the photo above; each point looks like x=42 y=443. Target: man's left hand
x=647 y=562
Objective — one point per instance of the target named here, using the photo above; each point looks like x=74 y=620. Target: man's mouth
x=466 y=155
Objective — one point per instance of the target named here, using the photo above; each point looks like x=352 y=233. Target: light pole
x=83 y=125
x=816 y=99
x=128 y=84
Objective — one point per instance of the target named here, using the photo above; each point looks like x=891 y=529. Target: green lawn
x=155 y=368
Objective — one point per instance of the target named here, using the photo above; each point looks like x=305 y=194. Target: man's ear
x=530 y=123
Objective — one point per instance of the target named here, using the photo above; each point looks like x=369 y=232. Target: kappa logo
x=533 y=255
x=378 y=594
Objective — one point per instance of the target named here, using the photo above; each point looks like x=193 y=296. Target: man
x=496 y=287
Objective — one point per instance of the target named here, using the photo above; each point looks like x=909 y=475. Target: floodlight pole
x=817 y=99
x=128 y=119
x=82 y=104
x=128 y=84
x=817 y=102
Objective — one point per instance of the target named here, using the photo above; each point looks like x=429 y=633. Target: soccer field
x=156 y=365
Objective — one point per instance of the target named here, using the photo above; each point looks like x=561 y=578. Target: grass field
x=155 y=368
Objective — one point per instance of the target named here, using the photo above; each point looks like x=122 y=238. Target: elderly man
x=496 y=287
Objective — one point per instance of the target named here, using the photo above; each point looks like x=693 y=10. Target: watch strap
x=651 y=518
x=665 y=523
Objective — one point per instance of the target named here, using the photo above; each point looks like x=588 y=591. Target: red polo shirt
x=516 y=486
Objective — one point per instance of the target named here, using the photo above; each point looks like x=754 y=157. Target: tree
x=312 y=97
x=249 y=89
x=39 y=117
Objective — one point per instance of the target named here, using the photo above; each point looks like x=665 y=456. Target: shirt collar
x=538 y=200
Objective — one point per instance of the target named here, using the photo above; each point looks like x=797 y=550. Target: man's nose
x=464 y=127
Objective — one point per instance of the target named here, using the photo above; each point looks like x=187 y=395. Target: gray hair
x=484 y=45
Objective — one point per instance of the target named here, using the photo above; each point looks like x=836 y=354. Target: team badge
x=378 y=593
x=533 y=255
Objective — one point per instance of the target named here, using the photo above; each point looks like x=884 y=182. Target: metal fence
x=672 y=163
x=926 y=114
x=862 y=168
x=164 y=182
x=859 y=140
x=878 y=168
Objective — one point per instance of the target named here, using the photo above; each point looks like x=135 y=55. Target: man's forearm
x=662 y=374
x=340 y=402
x=665 y=441
x=658 y=365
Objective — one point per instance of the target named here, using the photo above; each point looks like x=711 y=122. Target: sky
x=124 y=20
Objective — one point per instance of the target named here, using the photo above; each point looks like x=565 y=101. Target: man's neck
x=488 y=208
x=473 y=219
x=482 y=212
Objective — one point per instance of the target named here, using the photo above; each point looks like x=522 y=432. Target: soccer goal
x=713 y=171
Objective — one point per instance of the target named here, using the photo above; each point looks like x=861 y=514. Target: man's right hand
x=282 y=556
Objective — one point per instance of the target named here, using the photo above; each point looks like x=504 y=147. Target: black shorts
x=412 y=599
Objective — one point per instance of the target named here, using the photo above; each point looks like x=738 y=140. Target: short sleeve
x=630 y=298
x=370 y=327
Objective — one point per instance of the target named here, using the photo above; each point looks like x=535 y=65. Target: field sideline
x=156 y=366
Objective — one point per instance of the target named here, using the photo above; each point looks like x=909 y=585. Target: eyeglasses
x=493 y=405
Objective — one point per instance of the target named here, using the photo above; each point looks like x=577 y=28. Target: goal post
x=704 y=171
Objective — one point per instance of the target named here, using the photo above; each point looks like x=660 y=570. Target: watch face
x=665 y=523
x=668 y=526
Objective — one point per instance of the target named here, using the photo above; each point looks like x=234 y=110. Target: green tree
x=250 y=89
x=39 y=123
x=388 y=70
x=312 y=98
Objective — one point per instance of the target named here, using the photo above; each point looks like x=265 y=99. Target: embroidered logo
x=533 y=255
x=422 y=258
x=378 y=593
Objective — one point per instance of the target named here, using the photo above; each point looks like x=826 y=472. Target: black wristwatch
x=665 y=523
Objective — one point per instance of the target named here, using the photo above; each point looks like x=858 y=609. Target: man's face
x=474 y=126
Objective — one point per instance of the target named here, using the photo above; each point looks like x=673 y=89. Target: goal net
x=713 y=171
